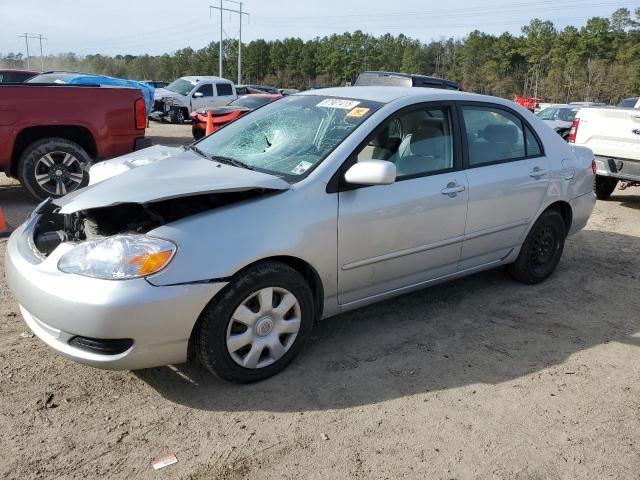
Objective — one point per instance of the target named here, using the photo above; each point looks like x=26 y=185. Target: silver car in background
x=314 y=205
x=559 y=117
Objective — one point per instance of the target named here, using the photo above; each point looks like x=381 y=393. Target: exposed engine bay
x=55 y=228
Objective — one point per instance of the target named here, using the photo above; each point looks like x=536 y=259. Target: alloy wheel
x=59 y=173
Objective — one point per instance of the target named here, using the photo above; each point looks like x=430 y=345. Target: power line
x=512 y=7
x=39 y=36
x=240 y=14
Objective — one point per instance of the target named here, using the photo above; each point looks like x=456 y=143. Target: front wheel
x=604 y=186
x=542 y=249
x=53 y=167
x=178 y=115
x=256 y=325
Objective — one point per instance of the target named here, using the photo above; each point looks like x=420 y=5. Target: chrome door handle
x=452 y=189
x=538 y=172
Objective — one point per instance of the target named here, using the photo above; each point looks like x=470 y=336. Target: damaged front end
x=54 y=227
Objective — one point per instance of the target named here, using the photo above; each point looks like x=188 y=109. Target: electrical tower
x=39 y=36
x=240 y=13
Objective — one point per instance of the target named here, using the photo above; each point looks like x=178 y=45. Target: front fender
x=299 y=223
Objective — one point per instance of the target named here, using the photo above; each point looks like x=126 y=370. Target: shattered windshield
x=289 y=137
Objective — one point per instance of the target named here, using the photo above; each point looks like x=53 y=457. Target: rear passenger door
x=225 y=94
x=508 y=175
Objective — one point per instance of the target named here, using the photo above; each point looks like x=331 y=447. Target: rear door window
x=224 y=89
x=493 y=135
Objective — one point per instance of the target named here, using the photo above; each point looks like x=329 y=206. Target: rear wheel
x=53 y=167
x=541 y=251
x=604 y=186
x=256 y=325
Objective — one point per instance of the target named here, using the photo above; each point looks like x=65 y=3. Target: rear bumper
x=58 y=306
x=581 y=207
x=142 y=142
x=619 y=168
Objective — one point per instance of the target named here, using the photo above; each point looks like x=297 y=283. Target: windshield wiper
x=197 y=150
x=231 y=161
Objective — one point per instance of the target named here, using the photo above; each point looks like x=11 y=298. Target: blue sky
x=158 y=26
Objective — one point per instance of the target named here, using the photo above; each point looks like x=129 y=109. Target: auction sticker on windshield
x=301 y=168
x=338 y=103
x=358 y=112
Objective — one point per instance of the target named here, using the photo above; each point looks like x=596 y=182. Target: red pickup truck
x=51 y=134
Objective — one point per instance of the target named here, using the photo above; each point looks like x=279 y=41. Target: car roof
x=18 y=70
x=389 y=94
x=194 y=78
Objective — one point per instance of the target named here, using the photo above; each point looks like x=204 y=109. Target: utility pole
x=39 y=36
x=240 y=13
x=26 y=41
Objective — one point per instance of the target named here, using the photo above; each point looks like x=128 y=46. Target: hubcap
x=59 y=173
x=263 y=327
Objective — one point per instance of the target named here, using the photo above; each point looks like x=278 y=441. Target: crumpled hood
x=225 y=110
x=182 y=174
x=110 y=168
x=163 y=92
x=169 y=97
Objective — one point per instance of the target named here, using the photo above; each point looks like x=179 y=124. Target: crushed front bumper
x=58 y=306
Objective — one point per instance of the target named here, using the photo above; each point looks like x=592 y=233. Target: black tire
x=178 y=115
x=197 y=133
x=209 y=341
x=542 y=249
x=47 y=157
x=604 y=186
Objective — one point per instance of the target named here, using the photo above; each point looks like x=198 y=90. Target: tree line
x=599 y=61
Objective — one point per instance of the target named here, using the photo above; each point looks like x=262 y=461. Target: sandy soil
x=479 y=378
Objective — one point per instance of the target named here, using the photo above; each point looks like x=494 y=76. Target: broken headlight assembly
x=120 y=257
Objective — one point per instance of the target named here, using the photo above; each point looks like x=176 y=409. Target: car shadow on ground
x=629 y=201
x=484 y=329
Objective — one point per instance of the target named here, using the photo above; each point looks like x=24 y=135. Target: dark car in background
x=229 y=113
x=156 y=84
x=633 y=102
x=16 y=76
x=394 y=79
x=248 y=89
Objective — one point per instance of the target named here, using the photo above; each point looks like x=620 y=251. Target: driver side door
x=392 y=237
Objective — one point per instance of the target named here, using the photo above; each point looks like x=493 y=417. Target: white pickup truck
x=613 y=134
x=187 y=94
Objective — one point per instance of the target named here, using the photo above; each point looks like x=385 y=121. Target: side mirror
x=371 y=172
x=198 y=95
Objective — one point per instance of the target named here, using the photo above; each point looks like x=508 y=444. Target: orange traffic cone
x=209 y=124
x=4 y=230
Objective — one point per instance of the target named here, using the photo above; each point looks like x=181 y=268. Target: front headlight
x=119 y=257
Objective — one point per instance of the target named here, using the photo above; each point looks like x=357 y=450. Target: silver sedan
x=230 y=249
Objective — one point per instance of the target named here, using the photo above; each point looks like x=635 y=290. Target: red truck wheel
x=53 y=167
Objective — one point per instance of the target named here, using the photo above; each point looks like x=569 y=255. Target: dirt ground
x=478 y=378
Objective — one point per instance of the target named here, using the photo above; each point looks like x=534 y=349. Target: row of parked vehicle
x=52 y=138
